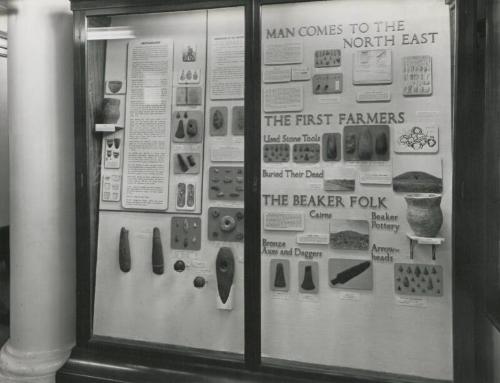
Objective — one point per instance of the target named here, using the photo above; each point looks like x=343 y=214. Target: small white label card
x=427 y=115
x=201 y=267
x=411 y=301
x=350 y=296
x=277 y=74
x=333 y=99
x=227 y=153
x=416 y=138
x=315 y=185
x=373 y=95
x=375 y=173
x=284 y=98
x=280 y=295
x=301 y=73
x=200 y=264
x=284 y=221
x=310 y=298
x=283 y=53
x=105 y=128
x=313 y=239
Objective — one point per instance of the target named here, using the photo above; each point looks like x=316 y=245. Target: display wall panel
x=169 y=263
x=356 y=101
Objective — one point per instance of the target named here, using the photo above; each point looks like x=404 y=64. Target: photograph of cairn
x=349 y=234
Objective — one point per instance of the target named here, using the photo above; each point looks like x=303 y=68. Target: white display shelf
x=432 y=241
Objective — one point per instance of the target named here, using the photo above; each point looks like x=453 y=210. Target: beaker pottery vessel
x=110 y=110
x=424 y=213
x=115 y=86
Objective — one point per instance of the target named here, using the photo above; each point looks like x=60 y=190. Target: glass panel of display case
x=167 y=95
x=357 y=185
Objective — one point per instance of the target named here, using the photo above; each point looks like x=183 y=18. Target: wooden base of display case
x=108 y=365
x=108 y=361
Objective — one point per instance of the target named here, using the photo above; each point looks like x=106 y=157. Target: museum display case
x=270 y=187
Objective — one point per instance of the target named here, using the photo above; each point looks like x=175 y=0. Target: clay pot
x=110 y=110
x=114 y=86
x=424 y=213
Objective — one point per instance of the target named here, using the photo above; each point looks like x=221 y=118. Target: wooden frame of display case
x=97 y=358
x=488 y=271
x=491 y=265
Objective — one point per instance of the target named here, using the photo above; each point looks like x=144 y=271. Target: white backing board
x=374 y=330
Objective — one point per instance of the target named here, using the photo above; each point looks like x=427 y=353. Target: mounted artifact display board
x=270 y=186
x=167 y=212
x=351 y=150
